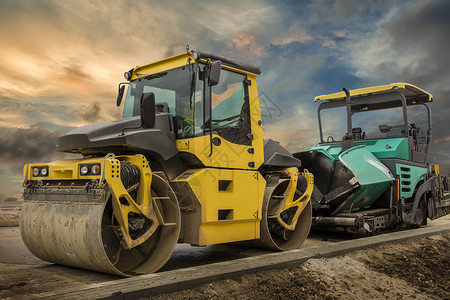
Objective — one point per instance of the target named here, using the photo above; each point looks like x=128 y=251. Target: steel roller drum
x=79 y=233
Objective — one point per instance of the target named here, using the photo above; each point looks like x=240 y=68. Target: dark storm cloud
x=76 y=72
x=410 y=44
x=89 y=114
x=28 y=145
x=425 y=29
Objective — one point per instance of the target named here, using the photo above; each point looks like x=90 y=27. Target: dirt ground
x=415 y=269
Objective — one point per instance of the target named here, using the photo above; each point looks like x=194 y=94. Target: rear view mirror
x=148 y=112
x=214 y=73
x=120 y=95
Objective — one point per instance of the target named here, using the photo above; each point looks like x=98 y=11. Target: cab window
x=230 y=108
x=173 y=89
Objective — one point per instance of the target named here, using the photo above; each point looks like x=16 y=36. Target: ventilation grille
x=405 y=183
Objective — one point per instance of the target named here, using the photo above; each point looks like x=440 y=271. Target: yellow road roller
x=187 y=163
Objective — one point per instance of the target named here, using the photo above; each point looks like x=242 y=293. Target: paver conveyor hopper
x=187 y=163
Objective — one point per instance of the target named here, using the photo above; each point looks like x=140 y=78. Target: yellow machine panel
x=174 y=62
x=225 y=155
x=230 y=203
x=435 y=169
x=256 y=122
x=406 y=89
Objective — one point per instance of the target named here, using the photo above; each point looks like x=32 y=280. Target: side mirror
x=120 y=95
x=214 y=73
x=148 y=111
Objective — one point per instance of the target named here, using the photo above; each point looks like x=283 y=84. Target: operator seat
x=358 y=134
x=162 y=107
x=396 y=131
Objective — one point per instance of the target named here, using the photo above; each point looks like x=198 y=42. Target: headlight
x=40 y=171
x=195 y=55
x=84 y=170
x=127 y=75
x=93 y=169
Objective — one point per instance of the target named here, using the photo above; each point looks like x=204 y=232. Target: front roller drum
x=83 y=234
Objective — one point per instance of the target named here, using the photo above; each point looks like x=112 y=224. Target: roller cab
x=187 y=163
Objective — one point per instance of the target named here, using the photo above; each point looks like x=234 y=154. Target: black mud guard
x=412 y=217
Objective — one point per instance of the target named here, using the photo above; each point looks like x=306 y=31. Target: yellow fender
x=295 y=198
x=122 y=201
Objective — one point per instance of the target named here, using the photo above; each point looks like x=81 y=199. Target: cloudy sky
x=61 y=61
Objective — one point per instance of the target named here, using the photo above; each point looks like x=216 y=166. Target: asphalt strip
x=177 y=280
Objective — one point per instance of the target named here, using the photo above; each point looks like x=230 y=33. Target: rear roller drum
x=274 y=235
x=286 y=220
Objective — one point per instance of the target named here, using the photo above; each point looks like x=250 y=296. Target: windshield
x=173 y=89
x=373 y=124
x=181 y=91
x=365 y=124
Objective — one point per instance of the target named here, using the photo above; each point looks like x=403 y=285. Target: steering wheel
x=187 y=130
x=330 y=138
x=185 y=127
x=227 y=121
